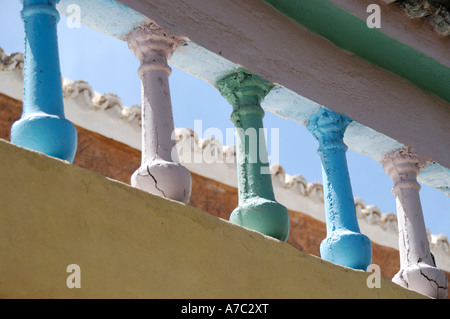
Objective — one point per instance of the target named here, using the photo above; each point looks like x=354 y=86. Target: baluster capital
x=39 y=7
x=243 y=89
x=328 y=127
x=153 y=46
x=402 y=166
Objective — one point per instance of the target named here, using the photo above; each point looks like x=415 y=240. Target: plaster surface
x=131 y=244
x=350 y=33
x=397 y=25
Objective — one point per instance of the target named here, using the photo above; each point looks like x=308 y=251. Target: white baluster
x=417 y=267
x=159 y=173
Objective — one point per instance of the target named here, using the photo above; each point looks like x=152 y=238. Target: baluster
x=417 y=267
x=344 y=245
x=159 y=172
x=257 y=209
x=43 y=126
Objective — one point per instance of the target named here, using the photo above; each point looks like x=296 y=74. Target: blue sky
x=109 y=66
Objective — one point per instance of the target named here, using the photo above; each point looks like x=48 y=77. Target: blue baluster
x=344 y=245
x=43 y=126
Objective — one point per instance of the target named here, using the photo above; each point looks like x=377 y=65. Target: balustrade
x=43 y=127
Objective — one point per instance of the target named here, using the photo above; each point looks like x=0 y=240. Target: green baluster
x=258 y=209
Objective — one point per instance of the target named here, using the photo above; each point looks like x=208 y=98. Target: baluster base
x=48 y=134
x=423 y=278
x=347 y=248
x=163 y=178
x=265 y=216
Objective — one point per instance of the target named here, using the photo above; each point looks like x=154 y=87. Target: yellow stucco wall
x=130 y=244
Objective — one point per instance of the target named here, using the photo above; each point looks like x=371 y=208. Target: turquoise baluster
x=344 y=245
x=43 y=126
x=257 y=209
